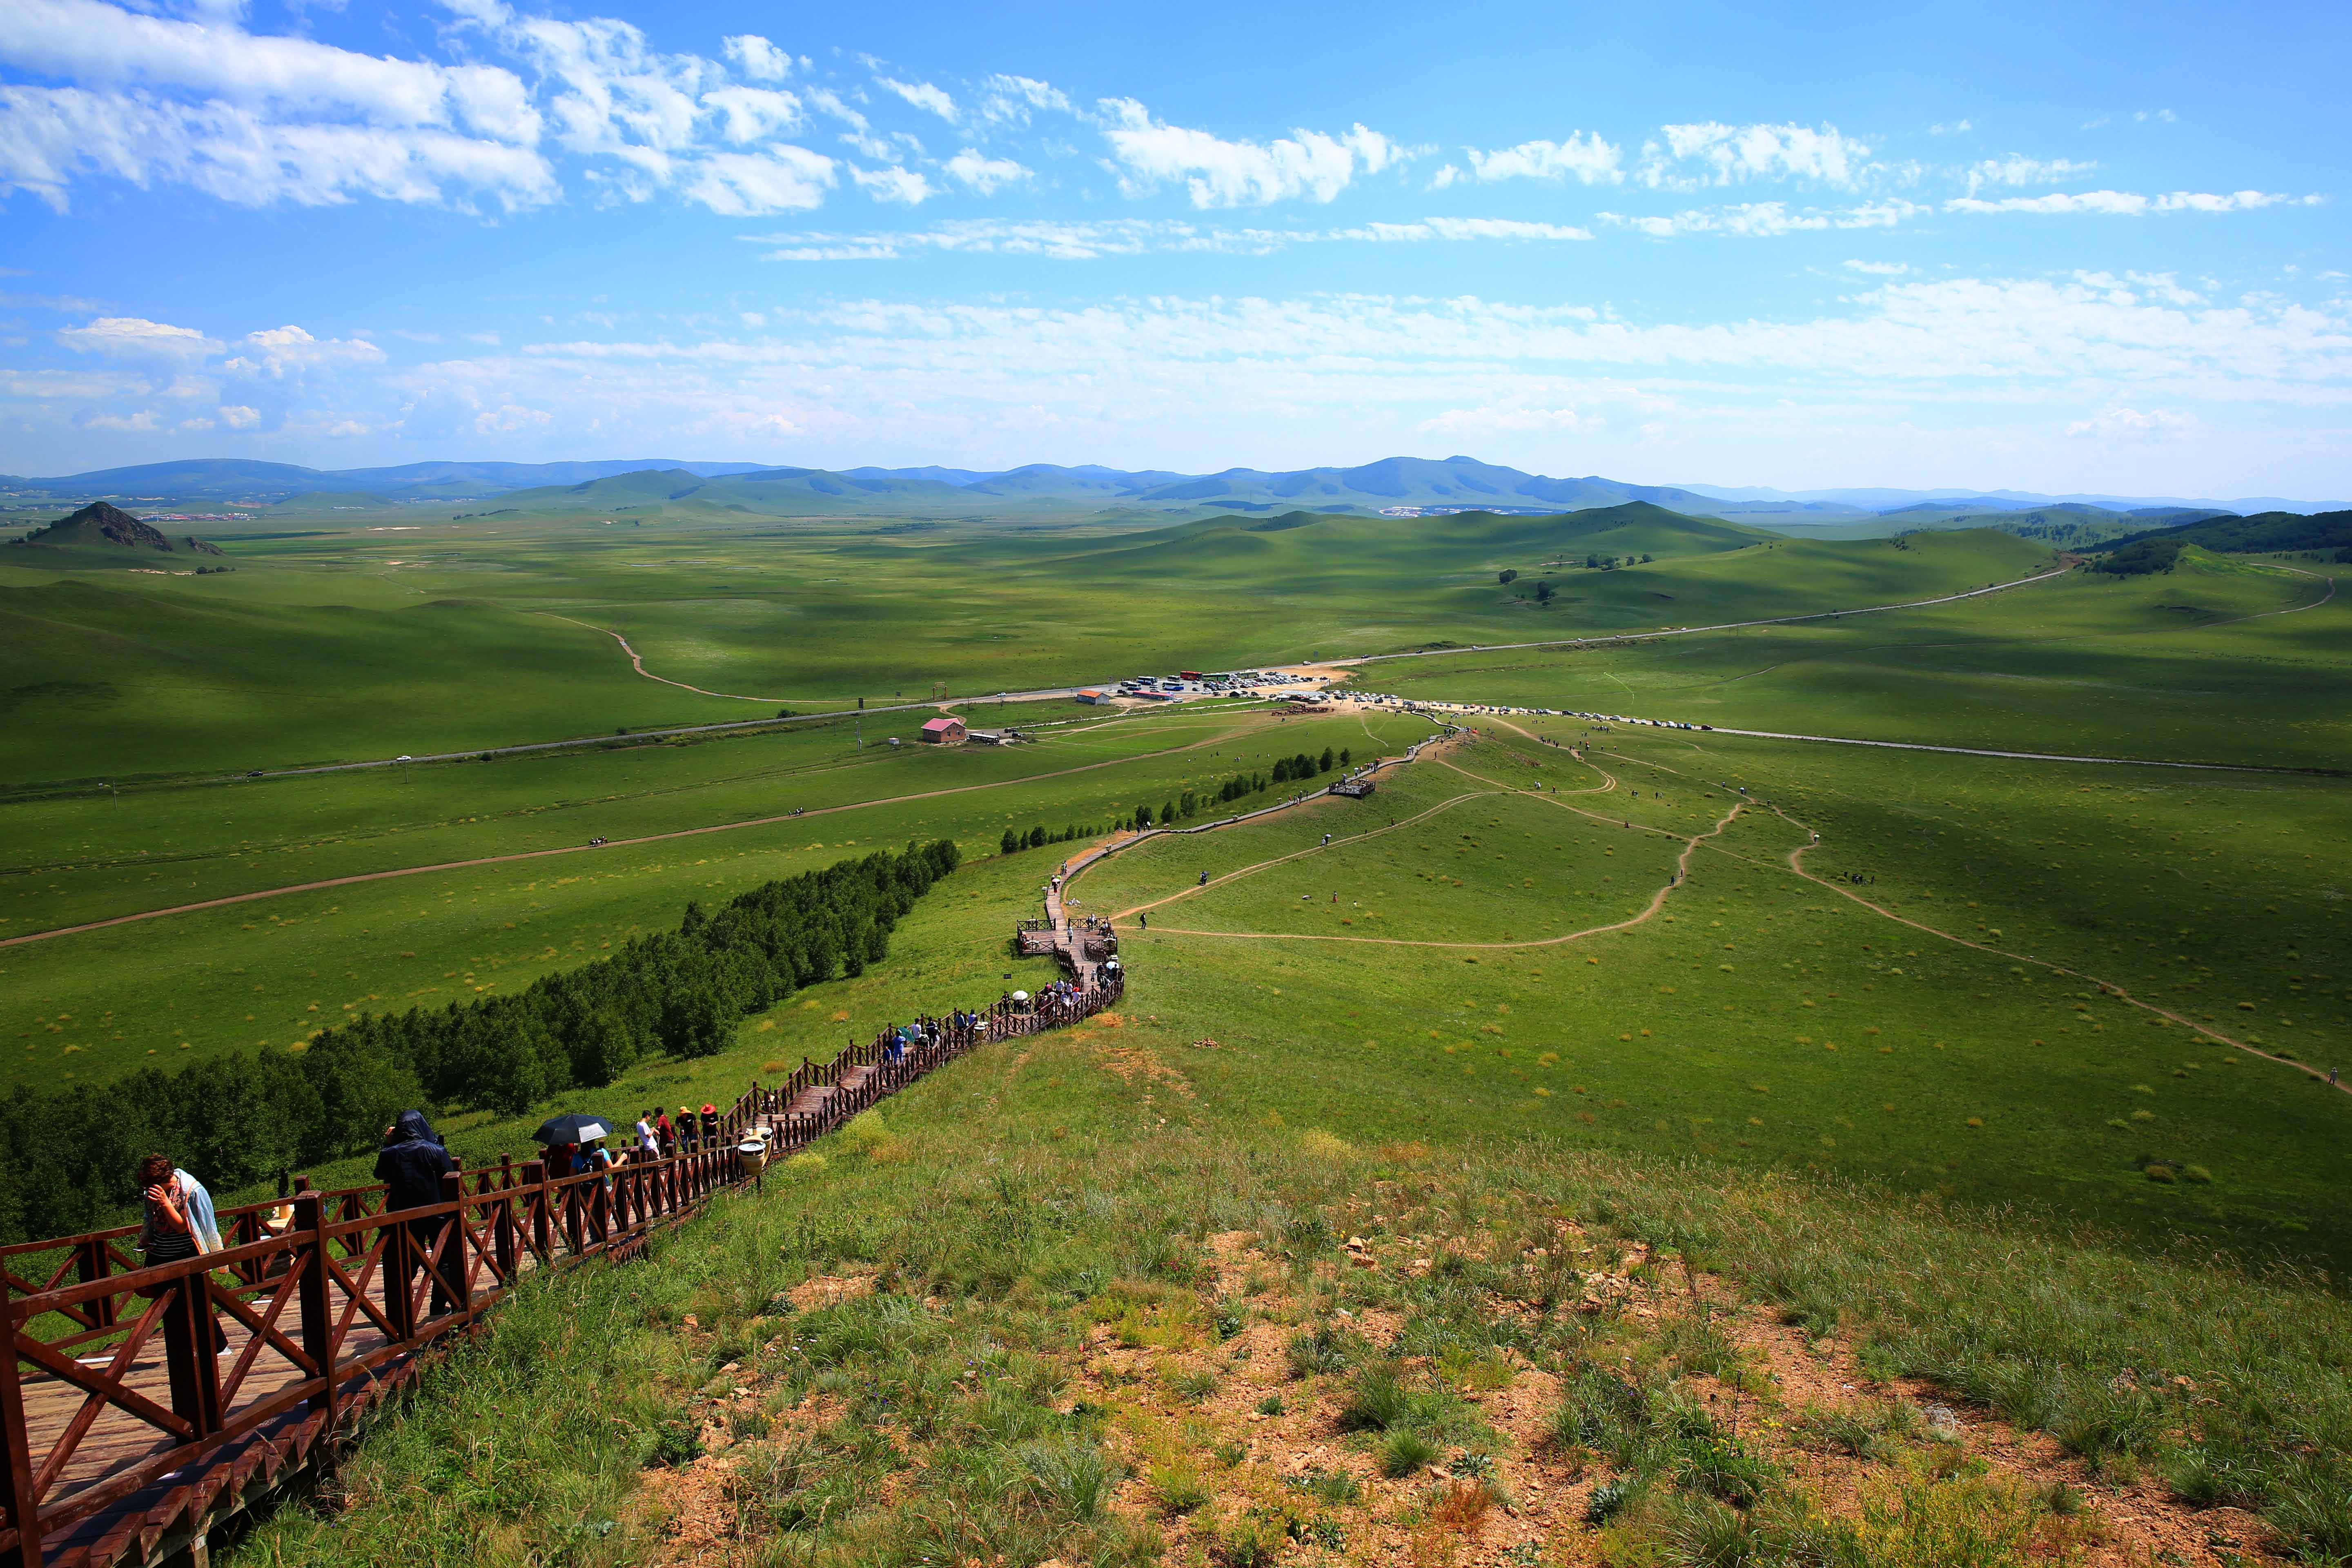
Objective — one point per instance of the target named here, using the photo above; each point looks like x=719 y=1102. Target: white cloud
x=923 y=96
x=2015 y=170
x=1221 y=174
x=893 y=185
x=831 y=103
x=280 y=352
x=780 y=179
x=1459 y=228
x=749 y=114
x=2162 y=116
x=758 y=59
x=1066 y=241
x=1953 y=128
x=1880 y=268
x=508 y=418
x=2129 y=203
x=91 y=43
x=1713 y=153
x=1445 y=178
x=1764 y=220
x=135 y=337
x=1584 y=157
x=119 y=424
x=52 y=137
x=984 y=175
x=239 y=417
x=2131 y=424
x=610 y=95
x=1489 y=420
x=1013 y=98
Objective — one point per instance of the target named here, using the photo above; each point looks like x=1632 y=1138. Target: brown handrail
x=326 y=1313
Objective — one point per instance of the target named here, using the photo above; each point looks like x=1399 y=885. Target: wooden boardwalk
x=127 y=1439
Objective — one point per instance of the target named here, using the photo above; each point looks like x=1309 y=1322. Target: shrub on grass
x=1248 y=1541
x=1609 y=1498
x=1076 y=1479
x=1379 y=1401
x=1404 y=1451
x=1324 y=1350
x=1195 y=1385
x=1177 y=1488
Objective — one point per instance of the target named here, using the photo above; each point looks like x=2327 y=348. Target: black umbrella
x=576 y=1129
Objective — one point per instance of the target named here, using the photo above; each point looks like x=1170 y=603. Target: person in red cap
x=710 y=1127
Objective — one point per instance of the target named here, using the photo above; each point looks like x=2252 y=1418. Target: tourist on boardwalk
x=176 y=1224
x=664 y=1131
x=689 y=1129
x=648 y=1141
x=710 y=1127
x=411 y=1167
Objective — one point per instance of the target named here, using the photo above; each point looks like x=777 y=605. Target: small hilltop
x=104 y=525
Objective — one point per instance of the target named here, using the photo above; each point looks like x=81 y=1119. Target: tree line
x=68 y=1155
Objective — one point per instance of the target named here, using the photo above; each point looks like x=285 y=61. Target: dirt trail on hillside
x=280 y=892
x=2107 y=987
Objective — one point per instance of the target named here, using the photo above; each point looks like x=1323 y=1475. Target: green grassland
x=1388 y=975
x=2225 y=660
x=1556 y=969
x=274 y=971
x=368 y=641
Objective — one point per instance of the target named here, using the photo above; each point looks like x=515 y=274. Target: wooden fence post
x=24 y=1503
x=317 y=1305
x=534 y=1178
x=451 y=1266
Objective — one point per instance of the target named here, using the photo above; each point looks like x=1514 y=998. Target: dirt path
x=2107 y=987
x=280 y=892
x=1657 y=903
x=1697 y=631
x=637 y=663
x=1284 y=860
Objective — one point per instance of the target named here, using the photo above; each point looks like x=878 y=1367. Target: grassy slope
x=1052 y=1365
x=273 y=971
x=367 y=643
x=2169 y=667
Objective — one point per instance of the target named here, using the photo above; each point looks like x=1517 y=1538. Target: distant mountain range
x=1391 y=484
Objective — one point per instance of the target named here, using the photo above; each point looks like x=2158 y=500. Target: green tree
x=602 y=1049
x=1010 y=842
x=1168 y=812
x=1323 y=763
x=1543 y=592
x=1037 y=838
x=1347 y=759
x=1142 y=817
x=1507 y=576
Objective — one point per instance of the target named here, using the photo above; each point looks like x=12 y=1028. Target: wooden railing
x=140 y=1404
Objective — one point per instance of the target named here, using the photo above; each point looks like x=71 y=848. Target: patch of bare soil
x=827 y=1288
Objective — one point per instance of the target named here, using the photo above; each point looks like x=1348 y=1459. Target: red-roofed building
x=945 y=731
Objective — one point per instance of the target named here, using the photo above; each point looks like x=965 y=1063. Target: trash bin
x=751 y=1157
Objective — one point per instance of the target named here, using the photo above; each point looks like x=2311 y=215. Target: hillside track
x=1699 y=631
x=2107 y=987
x=293 y=888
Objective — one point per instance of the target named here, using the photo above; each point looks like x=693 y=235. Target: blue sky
x=2043 y=246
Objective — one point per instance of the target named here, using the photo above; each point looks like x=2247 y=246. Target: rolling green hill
x=2263 y=533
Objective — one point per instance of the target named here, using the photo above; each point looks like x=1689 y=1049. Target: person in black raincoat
x=411 y=1167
